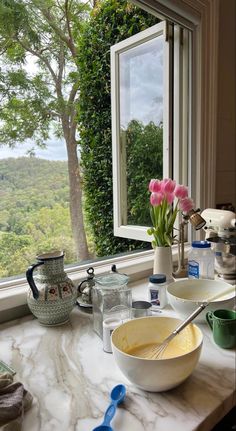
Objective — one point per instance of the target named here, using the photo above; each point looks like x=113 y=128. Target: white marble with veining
x=70 y=378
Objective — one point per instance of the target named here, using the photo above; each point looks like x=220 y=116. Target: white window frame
x=121 y=228
x=176 y=133
x=200 y=158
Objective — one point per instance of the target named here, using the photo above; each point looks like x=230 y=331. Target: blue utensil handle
x=110 y=412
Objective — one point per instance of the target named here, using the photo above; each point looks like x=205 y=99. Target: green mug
x=223 y=325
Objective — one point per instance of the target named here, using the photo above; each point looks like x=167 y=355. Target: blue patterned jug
x=52 y=294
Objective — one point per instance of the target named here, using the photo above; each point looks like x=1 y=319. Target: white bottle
x=201 y=260
x=109 y=325
x=157 y=290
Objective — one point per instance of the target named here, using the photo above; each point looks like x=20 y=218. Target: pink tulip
x=155 y=186
x=168 y=185
x=181 y=192
x=186 y=204
x=170 y=197
x=164 y=213
x=156 y=199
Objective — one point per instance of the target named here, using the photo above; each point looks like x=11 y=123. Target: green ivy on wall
x=111 y=21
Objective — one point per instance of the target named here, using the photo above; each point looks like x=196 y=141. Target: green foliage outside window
x=111 y=21
x=34 y=212
x=144 y=161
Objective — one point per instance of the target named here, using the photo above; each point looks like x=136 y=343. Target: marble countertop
x=70 y=378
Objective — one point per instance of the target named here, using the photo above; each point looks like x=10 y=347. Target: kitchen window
x=198 y=22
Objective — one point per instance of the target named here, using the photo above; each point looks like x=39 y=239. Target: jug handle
x=29 y=276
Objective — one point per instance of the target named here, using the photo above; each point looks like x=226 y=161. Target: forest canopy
x=34 y=212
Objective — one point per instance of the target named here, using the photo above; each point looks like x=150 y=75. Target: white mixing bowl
x=185 y=296
x=156 y=375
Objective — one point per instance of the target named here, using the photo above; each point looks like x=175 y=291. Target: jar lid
x=111 y=280
x=201 y=244
x=157 y=278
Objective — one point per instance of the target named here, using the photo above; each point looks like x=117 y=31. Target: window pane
x=141 y=119
x=53 y=105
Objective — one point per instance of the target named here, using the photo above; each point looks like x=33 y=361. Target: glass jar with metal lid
x=111 y=298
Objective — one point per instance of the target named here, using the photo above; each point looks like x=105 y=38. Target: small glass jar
x=157 y=290
x=201 y=260
x=111 y=299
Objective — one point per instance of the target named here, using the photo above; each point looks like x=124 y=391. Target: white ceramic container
x=156 y=375
x=184 y=296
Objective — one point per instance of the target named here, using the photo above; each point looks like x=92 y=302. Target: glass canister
x=111 y=298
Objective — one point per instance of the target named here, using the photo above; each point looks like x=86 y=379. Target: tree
x=32 y=105
x=13 y=253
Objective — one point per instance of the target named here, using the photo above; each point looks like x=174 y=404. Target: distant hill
x=26 y=172
x=23 y=179
x=34 y=212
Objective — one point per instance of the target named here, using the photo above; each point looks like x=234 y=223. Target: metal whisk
x=156 y=351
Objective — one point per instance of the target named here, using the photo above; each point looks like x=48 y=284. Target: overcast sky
x=141 y=83
x=55 y=150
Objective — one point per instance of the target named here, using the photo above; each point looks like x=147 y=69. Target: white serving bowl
x=185 y=296
x=156 y=375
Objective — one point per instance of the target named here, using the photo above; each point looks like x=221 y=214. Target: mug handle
x=209 y=319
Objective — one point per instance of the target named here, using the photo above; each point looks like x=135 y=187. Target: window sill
x=137 y=266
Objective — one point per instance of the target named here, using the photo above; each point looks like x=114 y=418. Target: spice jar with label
x=111 y=298
x=157 y=290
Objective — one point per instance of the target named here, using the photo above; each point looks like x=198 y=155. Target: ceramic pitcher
x=52 y=294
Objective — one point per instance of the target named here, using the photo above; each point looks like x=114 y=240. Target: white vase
x=163 y=263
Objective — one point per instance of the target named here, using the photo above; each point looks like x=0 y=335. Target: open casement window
x=149 y=87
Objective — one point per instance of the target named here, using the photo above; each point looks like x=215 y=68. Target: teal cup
x=223 y=326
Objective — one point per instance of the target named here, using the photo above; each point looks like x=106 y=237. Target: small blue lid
x=157 y=278
x=201 y=244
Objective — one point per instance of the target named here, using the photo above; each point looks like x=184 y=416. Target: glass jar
x=157 y=290
x=111 y=299
x=201 y=260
